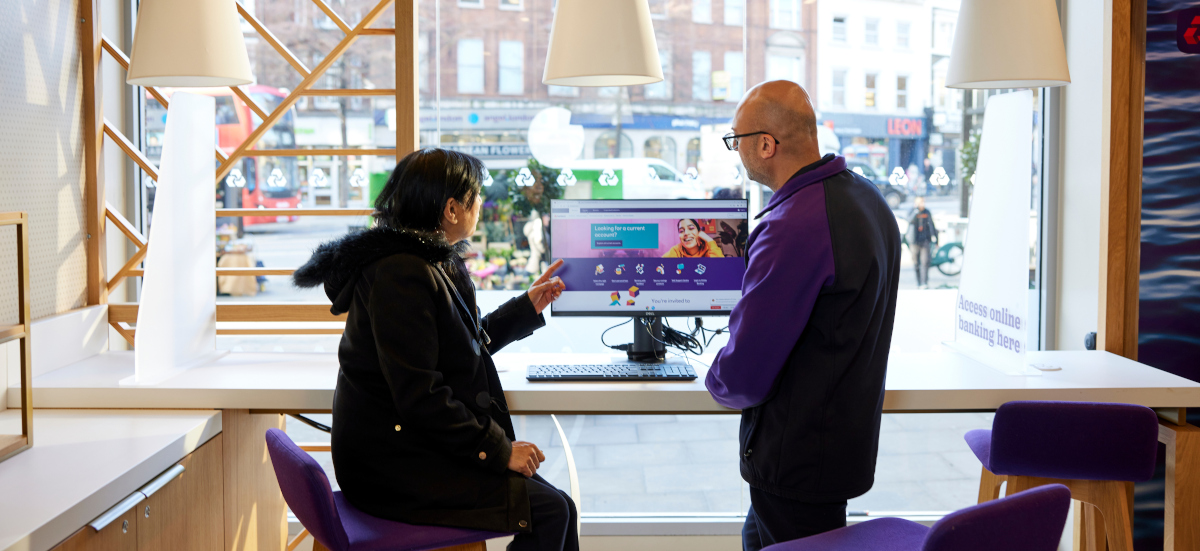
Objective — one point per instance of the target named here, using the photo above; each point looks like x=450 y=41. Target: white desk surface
x=930 y=381
x=83 y=462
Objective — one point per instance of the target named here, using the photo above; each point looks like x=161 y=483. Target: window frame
x=705 y=83
x=501 y=69
x=871 y=39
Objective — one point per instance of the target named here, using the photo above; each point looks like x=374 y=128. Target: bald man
x=809 y=339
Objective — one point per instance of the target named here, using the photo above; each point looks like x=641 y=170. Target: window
x=511 y=4
x=838 y=95
x=658 y=9
x=512 y=72
x=785 y=57
x=606 y=146
x=661 y=90
x=735 y=12
x=902 y=30
x=785 y=14
x=470 y=66
x=869 y=93
x=661 y=147
x=701 y=11
x=629 y=471
x=735 y=66
x=785 y=67
x=701 y=76
x=871 y=32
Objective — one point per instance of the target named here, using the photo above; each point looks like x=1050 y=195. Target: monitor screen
x=661 y=257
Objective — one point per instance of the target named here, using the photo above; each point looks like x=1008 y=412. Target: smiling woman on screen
x=693 y=242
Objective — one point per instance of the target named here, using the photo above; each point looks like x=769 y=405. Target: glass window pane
x=871 y=32
x=839 y=29
x=785 y=14
x=701 y=76
x=735 y=66
x=512 y=67
x=902 y=30
x=735 y=12
x=662 y=90
x=470 y=66
x=702 y=11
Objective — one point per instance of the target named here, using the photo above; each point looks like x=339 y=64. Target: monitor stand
x=648 y=342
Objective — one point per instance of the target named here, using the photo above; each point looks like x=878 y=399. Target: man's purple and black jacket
x=808 y=346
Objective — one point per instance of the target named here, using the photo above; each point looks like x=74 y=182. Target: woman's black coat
x=421 y=431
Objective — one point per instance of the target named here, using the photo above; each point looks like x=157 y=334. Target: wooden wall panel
x=1121 y=201
x=255 y=513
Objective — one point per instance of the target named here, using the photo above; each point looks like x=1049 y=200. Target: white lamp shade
x=602 y=43
x=189 y=43
x=1007 y=44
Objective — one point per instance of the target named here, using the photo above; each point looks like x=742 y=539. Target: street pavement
x=651 y=463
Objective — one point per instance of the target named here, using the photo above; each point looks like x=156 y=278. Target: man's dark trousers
x=773 y=519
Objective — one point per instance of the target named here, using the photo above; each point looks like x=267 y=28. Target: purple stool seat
x=1030 y=521
x=335 y=523
x=1069 y=440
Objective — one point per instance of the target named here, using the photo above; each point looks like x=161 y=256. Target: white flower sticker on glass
x=235 y=179
x=691 y=174
x=319 y=179
x=524 y=178
x=277 y=179
x=566 y=178
x=651 y=174
x=608 y=178
x=939 y=177
x=898 y=177
x=358 y=178
x=487 y=179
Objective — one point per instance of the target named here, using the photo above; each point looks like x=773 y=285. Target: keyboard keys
x=610 y=372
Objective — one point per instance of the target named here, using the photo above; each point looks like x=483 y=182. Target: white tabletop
x=83 y=462
x=928 y=381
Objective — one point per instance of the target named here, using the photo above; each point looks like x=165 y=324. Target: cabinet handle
x=162 y=480
x=116 y=511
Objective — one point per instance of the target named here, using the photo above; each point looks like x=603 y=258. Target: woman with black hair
x=693 y=242
x=421 y=430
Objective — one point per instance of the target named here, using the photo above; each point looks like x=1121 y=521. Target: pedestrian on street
x=922 y=236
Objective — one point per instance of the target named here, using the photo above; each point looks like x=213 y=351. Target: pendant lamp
x=190 y=43
x=602 y=43
x=1008 y=44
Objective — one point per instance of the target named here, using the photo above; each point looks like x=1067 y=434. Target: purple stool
x=1096 y=450
x=338 y=526
x=1029 y=521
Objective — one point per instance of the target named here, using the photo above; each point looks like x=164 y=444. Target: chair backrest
x=1032 y=520
x=306 y=490
x=1080 y=440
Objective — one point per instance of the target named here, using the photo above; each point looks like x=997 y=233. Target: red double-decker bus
x=254 y=182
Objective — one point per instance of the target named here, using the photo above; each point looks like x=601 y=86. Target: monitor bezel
x=554 y=312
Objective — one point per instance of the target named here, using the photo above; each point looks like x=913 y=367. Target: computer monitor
x=649 y=259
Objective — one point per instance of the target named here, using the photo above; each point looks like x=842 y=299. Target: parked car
x=630 y=178
x=893 y=194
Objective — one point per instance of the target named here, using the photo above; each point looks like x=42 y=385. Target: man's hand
x=547 y=288
x=526 y=458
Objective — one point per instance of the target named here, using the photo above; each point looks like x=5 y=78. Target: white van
x=630 y=178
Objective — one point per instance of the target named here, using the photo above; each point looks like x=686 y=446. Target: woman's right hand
x=526 y=458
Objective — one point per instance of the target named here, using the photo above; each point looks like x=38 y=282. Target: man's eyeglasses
x=731 y=141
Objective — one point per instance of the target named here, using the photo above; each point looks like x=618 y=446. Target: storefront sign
x=492 y=151
x=905 y=127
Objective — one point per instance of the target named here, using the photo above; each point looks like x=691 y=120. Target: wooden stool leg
x=989 y=485
x=1092 y=529
x=1115 y=501
x=477 y=546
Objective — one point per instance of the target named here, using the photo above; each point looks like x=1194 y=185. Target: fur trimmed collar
x=336 y=263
